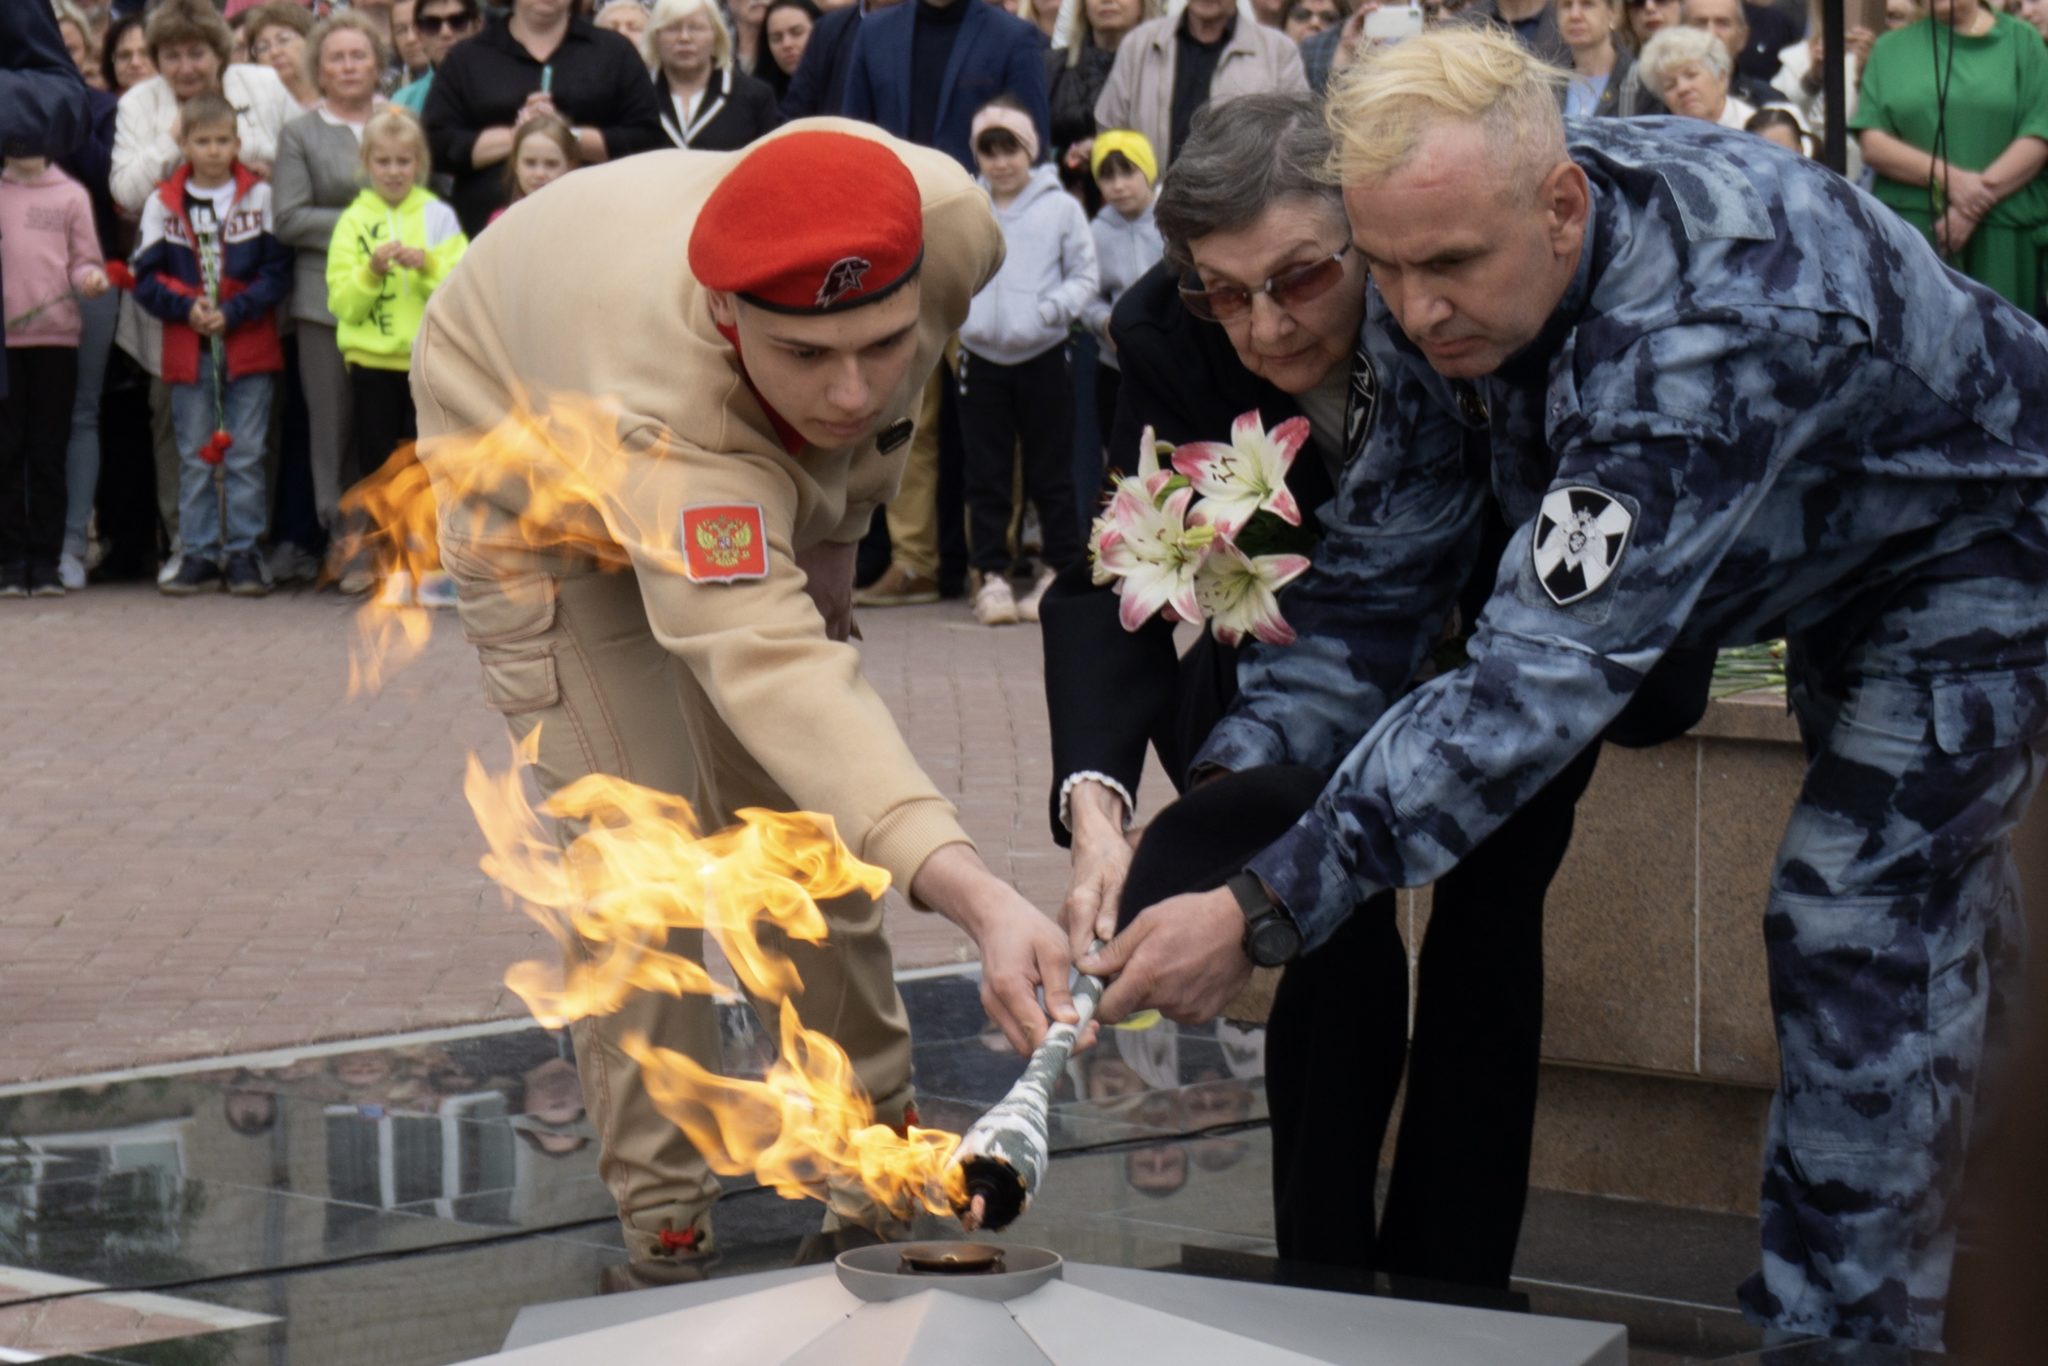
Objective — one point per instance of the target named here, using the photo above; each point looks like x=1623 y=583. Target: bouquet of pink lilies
x=1211 y=534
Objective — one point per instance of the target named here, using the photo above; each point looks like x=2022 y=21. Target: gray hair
x=1671 y=50
x=1242 y=157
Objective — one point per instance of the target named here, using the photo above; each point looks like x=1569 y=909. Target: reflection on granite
x=400 y=1205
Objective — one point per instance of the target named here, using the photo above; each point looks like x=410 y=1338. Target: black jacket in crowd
x=595 y=77
x=736 y=109
x=818 y=85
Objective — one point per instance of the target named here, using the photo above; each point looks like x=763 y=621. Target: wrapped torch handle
x=1005 y=1154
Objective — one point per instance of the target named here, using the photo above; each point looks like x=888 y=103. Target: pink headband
x=1015 y=122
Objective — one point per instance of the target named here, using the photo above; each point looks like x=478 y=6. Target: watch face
x=1274 y=941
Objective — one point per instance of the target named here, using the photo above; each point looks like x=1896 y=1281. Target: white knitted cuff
x=1089 y=775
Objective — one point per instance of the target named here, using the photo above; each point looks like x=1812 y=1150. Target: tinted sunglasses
x=1228 y=303
x=435 y=23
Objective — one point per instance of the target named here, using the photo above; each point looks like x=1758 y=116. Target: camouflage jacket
x=1763 y=408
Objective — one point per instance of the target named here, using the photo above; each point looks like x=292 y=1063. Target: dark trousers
x=35 y=432
x=126 y=500
x=1002 y=407
x=1337 y=1041
x=294 y=518
x=1109 y=382
x=384 y=415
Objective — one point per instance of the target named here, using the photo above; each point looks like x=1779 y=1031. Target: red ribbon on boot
x=216 y=448
x=685 y=1241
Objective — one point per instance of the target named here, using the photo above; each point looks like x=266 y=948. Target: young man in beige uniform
x=837 y=261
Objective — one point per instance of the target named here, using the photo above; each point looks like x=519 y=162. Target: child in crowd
x=1015 y=383
x=1775 y=123
x=543 y=151
x=391 y=248
x=208 y=263
x=1127 y=244
x=48 y=251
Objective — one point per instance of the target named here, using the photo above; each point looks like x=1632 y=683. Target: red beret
x=811 y=223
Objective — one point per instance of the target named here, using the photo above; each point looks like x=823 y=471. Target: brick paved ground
x=206 y=848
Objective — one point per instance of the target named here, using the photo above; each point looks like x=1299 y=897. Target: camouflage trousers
x=1894 y=936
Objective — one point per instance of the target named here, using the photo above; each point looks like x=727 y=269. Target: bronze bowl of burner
x=982 y=1271
x=950 y=1259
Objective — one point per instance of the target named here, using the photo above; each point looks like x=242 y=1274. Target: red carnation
x=216 y=448
x=119 y=275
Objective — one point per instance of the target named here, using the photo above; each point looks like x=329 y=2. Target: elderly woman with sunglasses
x=1259 y=305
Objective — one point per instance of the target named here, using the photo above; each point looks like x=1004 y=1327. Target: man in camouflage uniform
x=1730 y=398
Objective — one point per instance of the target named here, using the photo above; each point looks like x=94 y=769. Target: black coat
x=1073 y=90
x=818 y=85
x=1110 y=692
x=736 y=109
x=596 y=79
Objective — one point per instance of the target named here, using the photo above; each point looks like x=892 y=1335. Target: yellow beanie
x=1135 y=146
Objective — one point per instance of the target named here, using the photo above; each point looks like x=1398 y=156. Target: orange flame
x=804 y=1127
x=638 y=868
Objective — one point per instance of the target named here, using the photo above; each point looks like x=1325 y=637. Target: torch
x=1002 y=1157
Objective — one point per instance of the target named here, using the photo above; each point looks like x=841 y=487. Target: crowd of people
x=1580 y=401
x=1069 y=113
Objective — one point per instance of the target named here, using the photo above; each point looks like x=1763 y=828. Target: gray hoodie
x=1048 y=277
x=1125 y=248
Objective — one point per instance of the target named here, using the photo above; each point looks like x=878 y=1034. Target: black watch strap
x=1252 y=897
x=1271 y=937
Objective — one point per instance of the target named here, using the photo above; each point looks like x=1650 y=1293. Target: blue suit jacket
x=994 y=54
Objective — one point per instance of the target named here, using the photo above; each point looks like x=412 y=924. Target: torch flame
x=804 y=1127
x=640 y=867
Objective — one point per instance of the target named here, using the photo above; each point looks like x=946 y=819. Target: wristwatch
x=1271 y=938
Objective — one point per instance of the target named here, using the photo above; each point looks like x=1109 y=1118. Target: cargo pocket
x=507 y=610
x=1850 y=982
x=1975 y=713
x=516 y=683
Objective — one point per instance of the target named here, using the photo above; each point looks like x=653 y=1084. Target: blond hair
x=666 y=12
x=1382 y=105
x=396 y=123
x=342 y=20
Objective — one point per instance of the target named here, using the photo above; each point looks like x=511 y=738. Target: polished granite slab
x=401 y=1203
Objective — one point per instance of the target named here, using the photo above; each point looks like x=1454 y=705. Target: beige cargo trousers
x=566 y=648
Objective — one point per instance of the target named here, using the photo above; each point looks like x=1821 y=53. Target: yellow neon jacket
x=377 y=317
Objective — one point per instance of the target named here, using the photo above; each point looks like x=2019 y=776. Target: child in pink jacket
x=49 y=259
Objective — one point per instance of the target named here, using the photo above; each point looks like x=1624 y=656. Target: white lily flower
x=1153 y=550
x=1248 y=475
x=1240 y=593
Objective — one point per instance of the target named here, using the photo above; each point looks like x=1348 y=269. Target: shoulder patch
x=724 y=543
x=1580 y=536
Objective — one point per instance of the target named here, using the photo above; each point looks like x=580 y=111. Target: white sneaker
x=171 y=567
x=437 y=589
x=1027 y=606
x=994 y=603
x=71 y=572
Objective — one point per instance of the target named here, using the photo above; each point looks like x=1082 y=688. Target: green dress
x=1997 y=92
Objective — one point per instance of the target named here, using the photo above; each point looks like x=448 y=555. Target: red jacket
x=255 y=276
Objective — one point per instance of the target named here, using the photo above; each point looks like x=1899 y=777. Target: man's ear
x=1567 y=201
x=725 y=308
